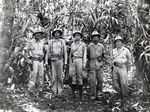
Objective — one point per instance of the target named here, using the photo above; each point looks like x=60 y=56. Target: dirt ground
x=19 y=100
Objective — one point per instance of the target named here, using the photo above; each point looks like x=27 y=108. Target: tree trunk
x=5 y=38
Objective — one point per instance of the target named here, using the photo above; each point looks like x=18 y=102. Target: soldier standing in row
x=95 y=55
x=77 y=62
x=34 y=54
x=122 y=63
x=56 y=51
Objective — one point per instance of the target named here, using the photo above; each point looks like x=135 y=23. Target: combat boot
x=73 y=91
x=80 y=92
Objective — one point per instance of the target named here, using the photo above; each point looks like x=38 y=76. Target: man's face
x=38 y=36
x=57 y=34
x=118 y=43
x=95 y=39
x=77 y=36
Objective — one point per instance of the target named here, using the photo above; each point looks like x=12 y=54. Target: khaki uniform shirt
x=95 y=53
x=122 y=57
x=57 y=47
x=79 y=50
x=35 y=49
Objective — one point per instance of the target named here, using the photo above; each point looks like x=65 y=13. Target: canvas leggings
x=120 y=80
x=37 y=74
x=57 y=77
x=77 y=78
x=96 y=75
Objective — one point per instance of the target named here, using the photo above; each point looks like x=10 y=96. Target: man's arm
x=65 y=52
x=70 y=55
x=103 y=53
x=84 y=54
x=47 y=53
x=128 y=55
x=88 y=53
x=26 y=50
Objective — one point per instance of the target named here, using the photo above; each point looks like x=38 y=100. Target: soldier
x=78 y=62
x=56 y=52
x=34 y=55
x=122 y=63
x=95 y=55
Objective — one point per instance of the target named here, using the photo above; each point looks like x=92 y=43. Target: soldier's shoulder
x=83 y=43
x=125 y=48
x=31 y=40
x=114 y=49
x=89 y=44
x=63 y=40
x=100 y=44
x=50 y=41
x=72 y=44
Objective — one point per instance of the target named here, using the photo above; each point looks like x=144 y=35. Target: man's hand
x=47 y=66
x=84 y=66
x=65 y=67
x=99 y=59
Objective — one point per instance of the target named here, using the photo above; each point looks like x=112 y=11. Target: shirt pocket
x=99 y=52
x=41 y=47
x=56 y=46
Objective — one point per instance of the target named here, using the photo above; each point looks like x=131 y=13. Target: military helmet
x=95 y=33
x=37 y=29
x=77 y=32
x=57 y=29
x=118 y=38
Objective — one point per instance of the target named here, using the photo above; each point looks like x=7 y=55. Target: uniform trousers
x=57 y=76
x=96 y=76
x=120 y=79
x=37 y=74
x=78 y=70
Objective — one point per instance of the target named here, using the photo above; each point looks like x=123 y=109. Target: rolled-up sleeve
x=48 y=52
x=85 y=54
x=65 y=52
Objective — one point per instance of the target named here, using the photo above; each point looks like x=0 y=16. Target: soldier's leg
x=54 y=74
x=74 y=84
x=73 y=80
x=41 y=74
x=99 y=81
x=79 y=69
x=32 y=79
x=74 y=74
x=79 y=64
x=92 y=76
x=60 y=76
x=123 y=81
x=116 y=83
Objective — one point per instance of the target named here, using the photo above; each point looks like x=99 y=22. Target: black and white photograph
x=74 y=55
